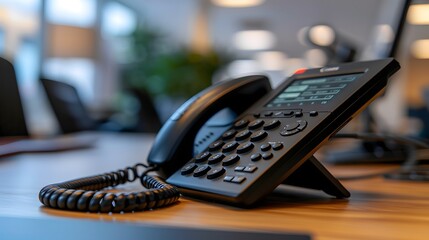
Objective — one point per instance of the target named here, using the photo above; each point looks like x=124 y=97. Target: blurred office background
x=172 y=49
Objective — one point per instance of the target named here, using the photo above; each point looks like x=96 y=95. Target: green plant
x=178 y=72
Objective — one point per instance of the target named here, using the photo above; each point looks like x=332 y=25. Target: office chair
x=68 y=108
x=12 y=121
x=148 y=118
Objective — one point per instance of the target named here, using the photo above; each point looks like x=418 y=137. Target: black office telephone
x=270 y=142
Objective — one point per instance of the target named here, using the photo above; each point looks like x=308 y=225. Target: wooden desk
x=377 y=209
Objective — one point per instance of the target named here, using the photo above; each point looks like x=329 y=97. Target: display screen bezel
x=296 y=103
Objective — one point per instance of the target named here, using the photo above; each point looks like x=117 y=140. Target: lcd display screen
x=311 y=91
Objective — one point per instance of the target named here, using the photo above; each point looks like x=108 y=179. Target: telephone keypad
x=253 y=138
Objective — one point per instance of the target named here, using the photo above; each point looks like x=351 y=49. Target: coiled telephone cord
x=84 y=194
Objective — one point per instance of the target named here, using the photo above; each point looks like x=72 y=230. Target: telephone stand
x=312 y=174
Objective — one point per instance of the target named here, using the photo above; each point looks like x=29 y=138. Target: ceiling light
x=254 y=40
x=242 y=67
x=316 y=57
x=237 y=3
x=420 y=49
x=418 y=14
x=321 y=35
x=271 y=60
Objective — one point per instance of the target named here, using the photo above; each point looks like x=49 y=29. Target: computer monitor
x=387 y=30
x=384 y=43
x=12 y=121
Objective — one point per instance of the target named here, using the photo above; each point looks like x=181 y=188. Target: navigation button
x=291 y=126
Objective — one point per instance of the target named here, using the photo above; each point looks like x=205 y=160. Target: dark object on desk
x=72 y=229
x=12 y=120
x=148 y=119
x=73 y=116
x=67 y=106
x=10 y=146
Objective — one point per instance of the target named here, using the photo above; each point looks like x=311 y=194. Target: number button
x=245 y=147
x=215 y=158
x=202 y=157
x=215 y=173
x=231 y=159
x=267 y=155
x=216 y=145
x=242 y=135
x=229 y=146
x=241 y=124
x=229 y=134
x=255 y=157
x=258 y=135
x=272 y=124
x=265 y=147
x=277 y=146
x=187 y=169
x=202 y=170
x=256 y=124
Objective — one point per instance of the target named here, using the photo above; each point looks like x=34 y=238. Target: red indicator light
x=300 y=71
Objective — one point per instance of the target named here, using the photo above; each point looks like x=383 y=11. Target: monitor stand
x=367 y=151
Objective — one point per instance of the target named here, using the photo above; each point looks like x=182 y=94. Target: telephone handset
x=272 y=142
x=174 y=143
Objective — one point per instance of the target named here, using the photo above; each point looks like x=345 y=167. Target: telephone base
x=312 y=174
